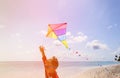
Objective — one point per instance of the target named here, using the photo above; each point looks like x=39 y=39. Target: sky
x=93 y=28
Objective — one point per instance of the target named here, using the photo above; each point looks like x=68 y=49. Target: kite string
x=42 y=39
x=63 y=56
x=45 y=40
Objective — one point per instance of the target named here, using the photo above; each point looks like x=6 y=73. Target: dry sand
x=101 y=72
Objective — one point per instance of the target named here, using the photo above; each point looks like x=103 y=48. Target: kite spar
x=58 y=31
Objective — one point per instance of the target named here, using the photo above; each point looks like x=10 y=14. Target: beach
x=112 y=71
x=36 y=70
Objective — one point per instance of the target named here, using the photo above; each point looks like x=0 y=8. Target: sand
x=101 y=72
x=36 y=71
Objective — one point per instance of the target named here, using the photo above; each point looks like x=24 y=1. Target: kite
x=58 y=31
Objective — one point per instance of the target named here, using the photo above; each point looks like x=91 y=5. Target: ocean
x=39 y=64
x=61 y=63
x=89 y=63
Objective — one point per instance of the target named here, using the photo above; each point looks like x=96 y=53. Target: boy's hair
x=54 y=62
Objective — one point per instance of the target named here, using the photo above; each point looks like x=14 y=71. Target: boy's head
x=51 y=64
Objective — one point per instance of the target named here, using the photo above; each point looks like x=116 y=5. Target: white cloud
x=79 y=38
x=95 y=44
x=57 y=43
x=68 y=34
x=80 y=33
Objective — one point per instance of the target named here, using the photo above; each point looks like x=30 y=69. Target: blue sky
x=93 y=29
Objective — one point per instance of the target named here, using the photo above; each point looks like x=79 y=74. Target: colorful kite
x=58 y=31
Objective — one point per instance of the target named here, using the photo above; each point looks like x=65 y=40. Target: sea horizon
x=63 y=63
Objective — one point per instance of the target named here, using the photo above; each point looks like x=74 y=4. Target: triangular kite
x=58 y=31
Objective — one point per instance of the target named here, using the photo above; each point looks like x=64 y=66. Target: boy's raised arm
x=42 y=49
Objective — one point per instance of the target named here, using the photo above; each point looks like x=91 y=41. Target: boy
x=50 y=65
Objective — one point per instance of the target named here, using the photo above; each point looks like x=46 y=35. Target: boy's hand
x=42 y=48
